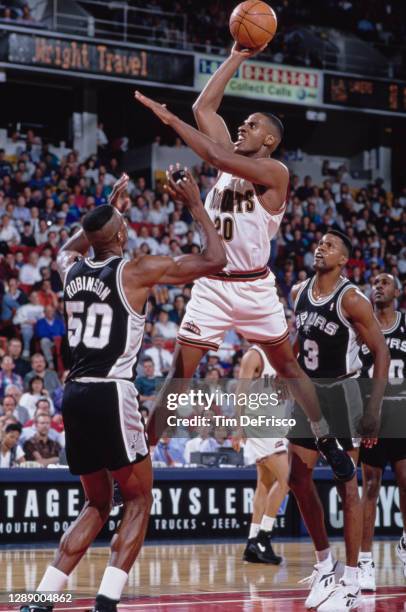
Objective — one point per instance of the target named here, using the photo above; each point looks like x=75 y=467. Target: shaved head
x=275 y=124
x=103 y=226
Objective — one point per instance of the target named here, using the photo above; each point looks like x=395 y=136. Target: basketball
x=253 y=24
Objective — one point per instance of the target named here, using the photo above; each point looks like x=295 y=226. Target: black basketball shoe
x=250 y=552
x=264 y=550
x=338 y=459
x=105 y=604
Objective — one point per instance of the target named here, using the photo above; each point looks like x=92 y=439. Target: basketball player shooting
x=105 y=299
x=246 y=205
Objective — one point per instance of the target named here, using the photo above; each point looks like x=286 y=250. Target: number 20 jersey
x=328 y=346
x=234 y=205
x=104 y=332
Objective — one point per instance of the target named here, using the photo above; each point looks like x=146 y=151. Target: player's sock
x=53 y=580
x=113 y=583
x=365 y=556
x=350 y=575
x=254 y=530
x=267 y=523
x=324 y=557
x=320 y=428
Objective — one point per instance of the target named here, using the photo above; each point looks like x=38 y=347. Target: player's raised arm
x=207 y=104
x=260 y=170
x=185 y=268
x=357 y=309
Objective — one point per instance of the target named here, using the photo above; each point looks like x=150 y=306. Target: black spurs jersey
x=104 y=332
x=396 y=340
x=328 y=346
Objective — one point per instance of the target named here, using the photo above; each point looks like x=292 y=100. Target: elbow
x=197 y=108
x=218 y=264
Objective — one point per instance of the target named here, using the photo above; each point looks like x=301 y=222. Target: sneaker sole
x=251 y=559
x=269 y=561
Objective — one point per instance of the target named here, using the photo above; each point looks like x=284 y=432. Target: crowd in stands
x=42 y=201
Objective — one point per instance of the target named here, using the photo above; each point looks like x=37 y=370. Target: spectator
x=47 y=297
x=49 y=330
x=26 y=317
x=8 y=232
x=40 y=447
x=169 y=450
x=164 y=327
x=195 y=444
x=160 y=356
x=179 y=309
x=36 y=391
x=11 y=454
x=7 y=375
x=12 y=300
x=30 y=272
x=21 y=366
x=56 y=432
x=10 y=408
x=146 y=384
x=39 y=369
x=57 y=395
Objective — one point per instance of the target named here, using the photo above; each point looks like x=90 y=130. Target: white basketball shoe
x=321 y=583
x=343 y=597
x=366 y=575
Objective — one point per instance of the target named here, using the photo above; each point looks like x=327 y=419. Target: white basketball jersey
x=242 y=221
x=267 y=369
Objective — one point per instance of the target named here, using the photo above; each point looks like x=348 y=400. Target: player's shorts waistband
x=237 y=276
x=338 y=381
x=94 y=379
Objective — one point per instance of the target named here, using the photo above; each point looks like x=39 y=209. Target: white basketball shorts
x=256 y=449
x=251 y=307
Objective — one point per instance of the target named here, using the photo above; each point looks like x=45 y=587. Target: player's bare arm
x=207 y=104
x=357 y=309
x=142 y=274
x=78 y=245
x=262 y=170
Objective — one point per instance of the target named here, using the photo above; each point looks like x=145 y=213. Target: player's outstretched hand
x=119 y=197
x=182 y=187
x=160 y=110
x=246 y=53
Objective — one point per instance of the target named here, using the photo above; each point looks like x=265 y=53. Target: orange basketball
x=253 y=24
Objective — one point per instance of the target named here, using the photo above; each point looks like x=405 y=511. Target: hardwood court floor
x=202 y=577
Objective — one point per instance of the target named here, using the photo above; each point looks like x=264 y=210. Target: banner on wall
x=106 y=60
x=42 y=511
x=264 y=81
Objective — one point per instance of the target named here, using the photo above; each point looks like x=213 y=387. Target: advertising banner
x=264 y=81
x=101 y=59
x=192 y=504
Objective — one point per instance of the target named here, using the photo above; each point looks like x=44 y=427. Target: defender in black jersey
x=330 y=314
x=391 y=445
x=105 y=311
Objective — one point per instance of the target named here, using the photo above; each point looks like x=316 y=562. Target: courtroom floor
x=204 y=577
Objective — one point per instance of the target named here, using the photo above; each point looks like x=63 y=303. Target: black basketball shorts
x=387 y=450
x=103 y=426
x=341 y=405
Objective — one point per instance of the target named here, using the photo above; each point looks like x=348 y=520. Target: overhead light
x=316 y=116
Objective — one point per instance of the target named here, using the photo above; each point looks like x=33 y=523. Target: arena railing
x=92 y=19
